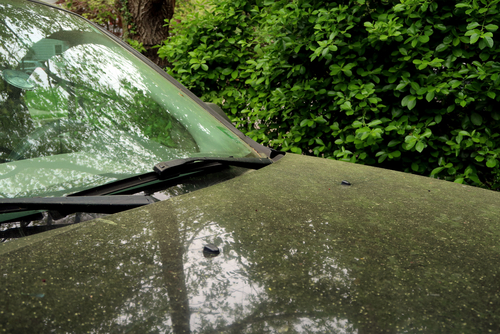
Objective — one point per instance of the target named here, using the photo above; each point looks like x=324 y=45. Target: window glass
x=78 y=110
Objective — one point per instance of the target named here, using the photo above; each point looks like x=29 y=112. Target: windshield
x=77 y=110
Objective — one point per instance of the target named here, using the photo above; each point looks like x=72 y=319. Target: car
x=128 y=205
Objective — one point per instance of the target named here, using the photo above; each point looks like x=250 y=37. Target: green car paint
x=300 y=252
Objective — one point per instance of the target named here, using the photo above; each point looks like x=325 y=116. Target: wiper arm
x=171 y=170
x=178 y=166
x=96 y=204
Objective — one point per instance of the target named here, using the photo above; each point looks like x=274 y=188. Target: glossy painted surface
x=392 y=253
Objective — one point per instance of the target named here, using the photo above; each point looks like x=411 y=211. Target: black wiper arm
x=171 y=170
x=179 y=166
x=96 y=204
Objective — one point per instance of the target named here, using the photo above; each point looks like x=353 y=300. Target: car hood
x=299 y=252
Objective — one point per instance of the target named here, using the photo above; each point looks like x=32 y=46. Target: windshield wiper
x=93 y=200
x=95 y=204
x=176 y=171
x=179 y=166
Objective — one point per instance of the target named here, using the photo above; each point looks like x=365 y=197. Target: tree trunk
x=150 y=20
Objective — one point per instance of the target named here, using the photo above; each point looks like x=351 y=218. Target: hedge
x=410 y=85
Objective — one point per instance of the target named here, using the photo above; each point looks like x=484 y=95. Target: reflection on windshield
x=68 y=91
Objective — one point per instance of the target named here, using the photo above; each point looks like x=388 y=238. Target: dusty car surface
x=198 y=229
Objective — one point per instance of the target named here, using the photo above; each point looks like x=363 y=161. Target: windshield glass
x=77 y=110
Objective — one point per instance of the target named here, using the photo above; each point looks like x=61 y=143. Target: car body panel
x=299 y=252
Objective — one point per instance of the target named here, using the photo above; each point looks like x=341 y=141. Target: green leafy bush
x=410 y=85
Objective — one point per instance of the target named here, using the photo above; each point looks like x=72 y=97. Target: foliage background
x=106 y=13
x=409 y=85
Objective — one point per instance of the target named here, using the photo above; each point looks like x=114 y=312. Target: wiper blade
x=96 y=204
x=171 y=170
x=178 y=166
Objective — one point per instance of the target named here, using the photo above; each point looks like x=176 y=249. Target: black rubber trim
x=99 y=204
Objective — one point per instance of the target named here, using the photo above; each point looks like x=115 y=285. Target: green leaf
x=491 y=27
x=204 y=67
x=393 y=143
x=415 y=85
x=412 y=103
x=357 y=124
x=455 y=83
x=227 y=71
x=401 y=85
x=420 y=146
x=436 y=170
x=423 y=38
x=334 y=69
x=421 y=90
x=484 y=56
x=473 y=38
x=491 y=163
x=399 y=7
x=430 y=96
x=410 y=144
x=259 y=50
x=441 y=47
x=414 y=167
x=472 y=25
x=474 y=178
x=407 y=100
x=476 y=119
x=489 y=41
x=375 y=122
